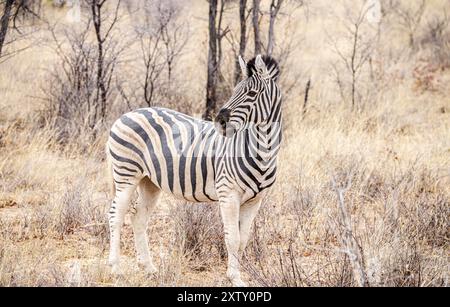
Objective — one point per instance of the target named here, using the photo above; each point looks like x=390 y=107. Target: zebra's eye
x=252 y=94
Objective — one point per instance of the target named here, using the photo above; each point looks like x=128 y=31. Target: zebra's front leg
x=247 y=215
x=117 y=212
x=229 y=209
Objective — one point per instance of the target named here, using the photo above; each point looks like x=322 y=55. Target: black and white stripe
x=189 y=158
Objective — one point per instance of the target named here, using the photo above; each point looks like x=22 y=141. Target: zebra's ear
x=261 y=67
x=243 y=65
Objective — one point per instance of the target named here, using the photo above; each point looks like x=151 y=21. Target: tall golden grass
x=393 y=158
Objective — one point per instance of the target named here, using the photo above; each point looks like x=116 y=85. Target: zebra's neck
x=252 y=154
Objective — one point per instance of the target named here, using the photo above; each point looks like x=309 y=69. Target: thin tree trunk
x=242 y=39
x=219 y=35
x=305 y=101
x=169 y=74
x=256 y=31
x=101 y=94
x=353 y=65
x=211 y=82
x=4 y=22
x=274 y=9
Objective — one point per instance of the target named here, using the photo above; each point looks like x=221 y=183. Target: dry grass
x=393 y=156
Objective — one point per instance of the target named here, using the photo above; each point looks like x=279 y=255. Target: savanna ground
x=363 y=192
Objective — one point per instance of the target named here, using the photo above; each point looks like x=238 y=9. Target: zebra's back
x=175 y=151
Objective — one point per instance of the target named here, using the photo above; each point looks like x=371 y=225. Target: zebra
x=232 y=160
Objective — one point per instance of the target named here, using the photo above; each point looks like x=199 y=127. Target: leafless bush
x=344 y=227
x=280 y=268
x=435 y=41
x=354 y=50
x=361 y=229
x=80 y=90
x=199 y=231
x=77 y=212
x=162 y=38
x=302 y=206
x=392 y=252
x=409 y=18
x=301 y=251
x=33 y=269
x=432 y=59
x=427 y=217
x=170 y=262
x=72 y=85
x=273 y=255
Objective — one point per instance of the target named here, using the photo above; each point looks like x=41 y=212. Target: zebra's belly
x=188 y=183
x=197 y=196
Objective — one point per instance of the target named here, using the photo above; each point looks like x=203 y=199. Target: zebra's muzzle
x=222 y=123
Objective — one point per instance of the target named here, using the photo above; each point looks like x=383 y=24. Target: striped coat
x=187 y=157
x=231 y=160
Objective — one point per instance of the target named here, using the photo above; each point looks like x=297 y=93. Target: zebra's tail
x=110 y=178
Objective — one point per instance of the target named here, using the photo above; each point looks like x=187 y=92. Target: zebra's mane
x=271 y=64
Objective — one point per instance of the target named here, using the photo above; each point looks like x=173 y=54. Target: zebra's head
x=254 y=98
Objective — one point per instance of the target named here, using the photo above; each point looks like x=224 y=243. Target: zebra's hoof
x=148 y=267
x=238 y=283
x=115 y=268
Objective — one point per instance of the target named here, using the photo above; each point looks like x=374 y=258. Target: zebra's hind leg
x=148 y=197
x=117 y=212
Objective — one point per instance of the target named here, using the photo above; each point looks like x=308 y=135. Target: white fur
x=261 y=67
x=243 y=65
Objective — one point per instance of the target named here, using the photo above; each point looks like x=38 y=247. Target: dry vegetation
x=363 y=192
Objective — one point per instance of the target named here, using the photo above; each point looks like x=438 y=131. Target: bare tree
x=103 y=36
x=10 y=15
x=80 y=88
x=281 y=50
x=273 y=13
x=409 y=17
x=275 y=7
x=215 y=55
x=151 y=56
x=284 y=48
x=173 y=34
x=4 y=21
x=162 y=39
x=72 y=82
x=256 y=31
x=152 y=61
x=352 y=62
x=221 y=34
x=211 y=82
x=242 y=38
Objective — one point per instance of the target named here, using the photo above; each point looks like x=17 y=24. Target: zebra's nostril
x=223 y=116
